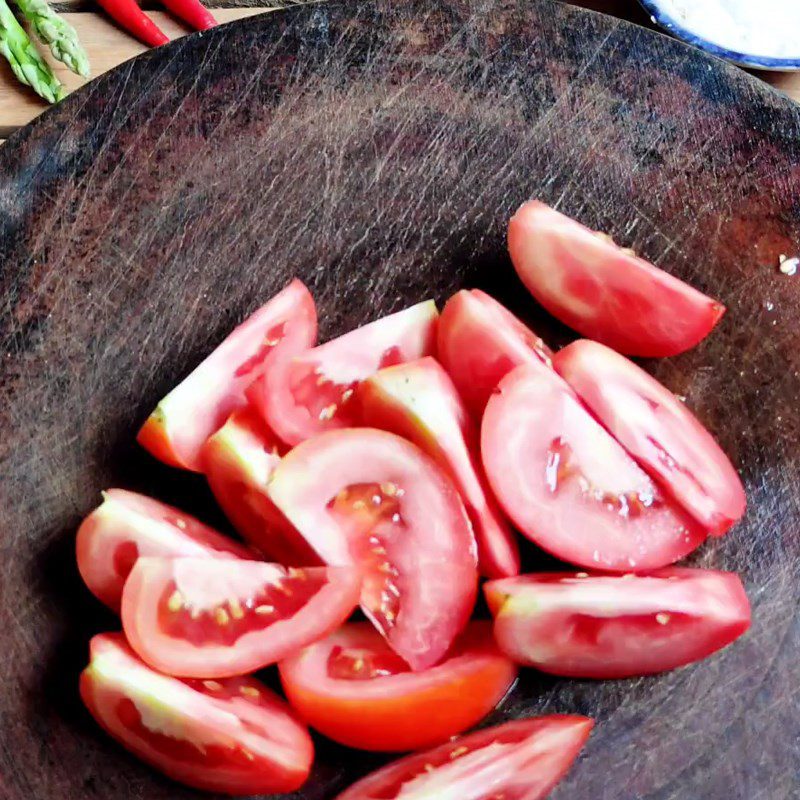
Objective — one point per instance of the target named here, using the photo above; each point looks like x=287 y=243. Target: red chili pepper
x=193 y=12
x=128 y=14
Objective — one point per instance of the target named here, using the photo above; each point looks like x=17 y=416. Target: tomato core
x=271 y=338
x=226 y=623
x=361 y=664
x=370 y=512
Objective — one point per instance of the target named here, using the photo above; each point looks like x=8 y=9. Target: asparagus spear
x=57 y=33
x=28 y=65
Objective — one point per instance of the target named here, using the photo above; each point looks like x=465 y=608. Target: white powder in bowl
x=767 y=28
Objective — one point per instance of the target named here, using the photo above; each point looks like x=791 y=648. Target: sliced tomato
x=617 y=626
x=312 y=392
x=520 y=760
x=127 y=525
x=480 y=341
x=233 y=736
x=354 y=688
x=418 y=401
x=205 y=618
x=658 y=431
x=570 y=487
x=238 y=461
x=200 y=404
x=365 y=496
x=603 y=291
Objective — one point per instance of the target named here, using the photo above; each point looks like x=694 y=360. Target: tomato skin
x=658 y=430
x=127 y=525
x=415 y=545
x=570 y=487
x=309 y=394
x=611 y=626
x=604 y=292
x=232 y=736
x=480 y=341
x=419 y=402
x=238 y=462
x=520 y=760
x=400 y=710
x=183 y=420
x=200 y=618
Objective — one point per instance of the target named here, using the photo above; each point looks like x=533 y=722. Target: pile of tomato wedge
x=388 y=470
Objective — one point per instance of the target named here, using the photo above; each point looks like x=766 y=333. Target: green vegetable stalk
x=24 y=58
x=58 y=34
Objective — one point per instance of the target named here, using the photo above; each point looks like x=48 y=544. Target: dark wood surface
x=377 y=151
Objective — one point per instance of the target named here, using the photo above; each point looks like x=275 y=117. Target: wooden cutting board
x=377 y=150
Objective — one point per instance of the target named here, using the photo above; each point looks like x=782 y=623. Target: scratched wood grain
x=108 y=46
x=377 y=151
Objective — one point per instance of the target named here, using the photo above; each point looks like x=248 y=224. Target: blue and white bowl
x=662 y=17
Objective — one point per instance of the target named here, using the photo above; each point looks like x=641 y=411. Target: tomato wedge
x=365 y=496
x=480 y=341
x=418 y=401
x=201 y=403
x=658 y=431
x=233 y=736
x=603 y=291
x=520 y=760
x=311 y=393
x=617 y=626
x=570 y=487
x=127 y=525
x=205 y=618
x=353 y=688
x=238 y=462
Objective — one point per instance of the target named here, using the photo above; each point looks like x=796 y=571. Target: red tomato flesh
x=312 y=392
x=520 y=760
x=200 y=404
x=419 y=402
x=353 y=688
x=127 y=525
x=658 y=431
x=480 y=341
x=204 y=618
x=617 y=626
x=570 y=487
x=238 y=462
x=603 y=291
x=232 y=736
x=368 y=497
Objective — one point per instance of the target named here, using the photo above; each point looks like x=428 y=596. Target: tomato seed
x=175 y=602
x=221 y=616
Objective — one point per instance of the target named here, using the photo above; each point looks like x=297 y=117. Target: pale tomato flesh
x=202 y=618
x=603 y=291
x=658 y=430
x=233 y=736
x=127 y=525
x=312 y=392
x=617 y=626
x=418 y=401
x=353 y=688
x=570 y=487
x=177 y=429
x=480 y=341
x=238 y=462
x=520 y=760
x=368 y=497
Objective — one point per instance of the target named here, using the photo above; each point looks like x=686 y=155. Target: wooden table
x=108 y=46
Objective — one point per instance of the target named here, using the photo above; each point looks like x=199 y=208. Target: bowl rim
x=668 y=22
